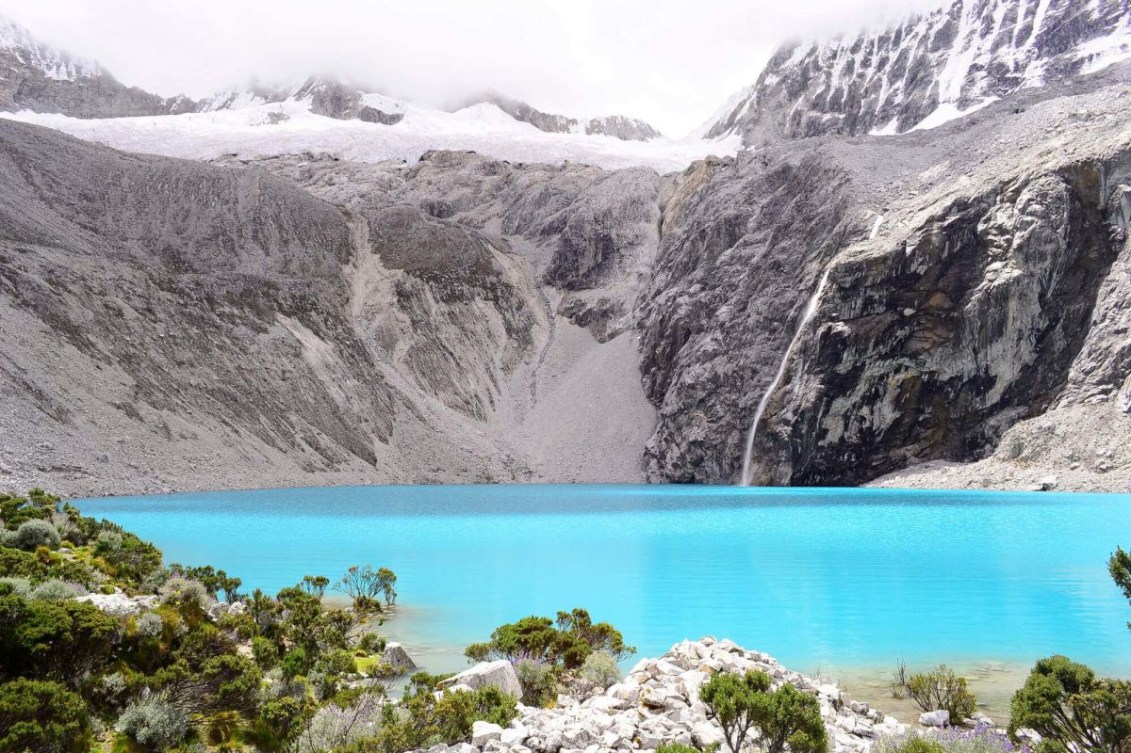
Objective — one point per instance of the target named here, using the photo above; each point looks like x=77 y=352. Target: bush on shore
x=751 y=714
x=179 y=674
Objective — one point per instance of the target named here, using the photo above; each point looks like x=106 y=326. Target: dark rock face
x=373 y=115
x=959 y=57
x=610 y=222
x=621 y=127
x=604 y=316
x=743 y=244
x=331 y=98
x=977 y=277
x=932 y=350
x=617 y=126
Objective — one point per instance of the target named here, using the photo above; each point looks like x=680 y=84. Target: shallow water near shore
x=842 y=582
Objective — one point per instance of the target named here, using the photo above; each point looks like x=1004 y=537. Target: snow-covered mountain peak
x=18 y=42
x=930 y=69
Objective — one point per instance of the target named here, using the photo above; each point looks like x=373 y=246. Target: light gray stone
x=499 y=674
x=939 y=718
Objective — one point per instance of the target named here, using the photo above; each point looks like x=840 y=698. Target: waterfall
x=810 y=312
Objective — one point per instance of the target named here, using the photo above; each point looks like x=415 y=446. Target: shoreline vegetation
x=105 y=647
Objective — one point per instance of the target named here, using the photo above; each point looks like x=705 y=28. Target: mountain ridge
x=44 y=79
x=943 y=64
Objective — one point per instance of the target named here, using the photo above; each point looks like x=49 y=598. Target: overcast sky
x=670 y=62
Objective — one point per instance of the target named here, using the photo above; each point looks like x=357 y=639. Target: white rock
x=499 y=674
x=940 y=718
x=979 y=720
x=395 y=657
x=628 y=693
x=706 y=733
x=605 y=703
x=118 y=604
x=691 y=682
x=485 y=732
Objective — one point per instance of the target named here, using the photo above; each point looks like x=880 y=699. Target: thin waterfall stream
x=810 y=311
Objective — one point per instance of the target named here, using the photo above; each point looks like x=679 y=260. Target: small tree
x=315 y=585
x=1072 y=709
x=792 y=718
x=1120 y=568
x=750 y=714
x=731 y=701
x=388 y=581
x=364 y=585
x=564 y=644
x=941 y=689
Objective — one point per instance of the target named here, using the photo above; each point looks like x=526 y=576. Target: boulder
x=499 y=674
x=940 y=718
x=485 y=732
x=397 y=659
x=118 y=604
x=978 y=720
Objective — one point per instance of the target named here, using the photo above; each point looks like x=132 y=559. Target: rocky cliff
x=928 y=69
x=975 y=279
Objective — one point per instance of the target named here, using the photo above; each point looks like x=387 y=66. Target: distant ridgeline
x=37 y=77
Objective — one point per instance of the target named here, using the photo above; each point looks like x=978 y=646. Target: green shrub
x=42 y=717
x=365 y=586
x=53 y=590
x=277 y=726
x=333 y=727
x=564 y=644
x=600 y=670
x=266 y=652
x=371 y=643
x=153 y=724
x=295 y=663
x=939 y=690
x=539 y=682
x=455 y=713
x=17 y=586
x=750 y=713
x=150 y=625
x=182 y=591
x=422 y=720
x=19 y=564
x=33 y=534
x=52 y=640
x=107 y=542
x=1072 y=709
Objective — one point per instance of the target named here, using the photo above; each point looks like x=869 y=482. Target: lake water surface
x=819 y=578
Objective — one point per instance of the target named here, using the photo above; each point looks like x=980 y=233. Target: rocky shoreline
x=658 y=702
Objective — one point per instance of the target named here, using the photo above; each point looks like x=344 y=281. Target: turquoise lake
x=819 y=578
